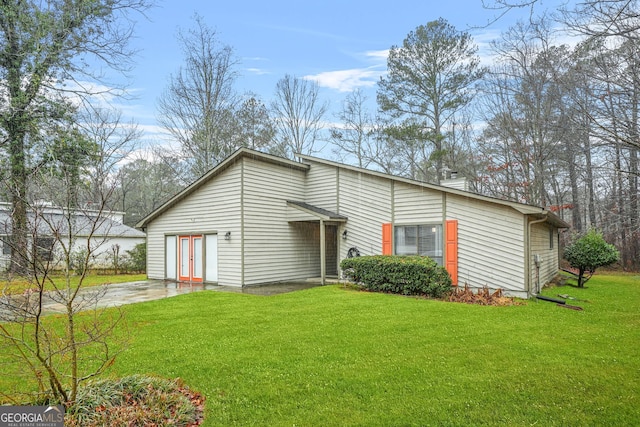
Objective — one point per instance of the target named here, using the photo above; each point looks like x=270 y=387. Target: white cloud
x=350 y=79
x=346 y=80
x=489 y=57
x=483 y=40
x=257 y=71
x=154 y=132
x=565 y=38
x=378 y=55
x=254 y=58
x=353 y=78
x=99 y=93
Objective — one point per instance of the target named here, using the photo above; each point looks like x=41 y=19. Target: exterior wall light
x=227 y=235
x=344 y=235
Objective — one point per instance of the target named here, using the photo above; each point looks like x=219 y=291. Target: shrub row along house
x=256 y=219
x=102 y=233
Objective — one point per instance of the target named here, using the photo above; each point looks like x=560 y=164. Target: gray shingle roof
x=82 y=225
x=317 y=210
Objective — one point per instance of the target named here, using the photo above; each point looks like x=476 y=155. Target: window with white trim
x=423 y=239
x=44 y=248
x=6 y=246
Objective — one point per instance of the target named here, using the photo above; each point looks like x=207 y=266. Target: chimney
x=452 y=181
x=446 y=173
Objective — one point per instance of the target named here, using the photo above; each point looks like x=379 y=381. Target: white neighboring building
x=101 y=231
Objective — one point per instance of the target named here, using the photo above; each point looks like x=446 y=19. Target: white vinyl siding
x=540 y=236
x=274 y=249
x=214 y=207
x=366 y=200
x=322 y=187
x=416 y=205
x=102 y=248
x=490 y=244
x=306 y=257
x=322 y=190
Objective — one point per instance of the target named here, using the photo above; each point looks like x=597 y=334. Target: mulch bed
x=483 y=296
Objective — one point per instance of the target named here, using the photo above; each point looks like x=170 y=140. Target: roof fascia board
x=314 y=213
x=308 y=211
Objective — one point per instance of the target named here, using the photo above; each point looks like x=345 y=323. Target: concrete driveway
x=118 y=294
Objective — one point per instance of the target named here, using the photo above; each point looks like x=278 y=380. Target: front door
x=331 y=250
x=190 y=258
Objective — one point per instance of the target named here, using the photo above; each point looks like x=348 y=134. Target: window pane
x=425 y=240
x=197 y=257
x=430 y=243
x=44 y=248
x=406 y=240
x=6 y=246
x=184 y=257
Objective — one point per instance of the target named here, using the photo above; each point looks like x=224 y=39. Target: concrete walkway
x=118 y=294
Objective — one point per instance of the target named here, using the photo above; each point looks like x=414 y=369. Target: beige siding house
x=257 y=219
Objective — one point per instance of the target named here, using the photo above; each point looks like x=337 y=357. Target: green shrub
x=79 y=261
x=137 y=258
x=590 y=252
x=406 y=275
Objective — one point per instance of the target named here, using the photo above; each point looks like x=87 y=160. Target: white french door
x=190 y=258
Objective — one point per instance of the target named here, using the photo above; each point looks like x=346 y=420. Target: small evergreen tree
x=137 y=258
x=588 y=253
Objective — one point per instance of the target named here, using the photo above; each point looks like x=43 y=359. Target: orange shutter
x=451 y=239
x=387 y=247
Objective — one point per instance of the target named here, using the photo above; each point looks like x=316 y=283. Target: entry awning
x=311 y=213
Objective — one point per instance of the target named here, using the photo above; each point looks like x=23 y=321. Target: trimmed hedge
x=406 y=275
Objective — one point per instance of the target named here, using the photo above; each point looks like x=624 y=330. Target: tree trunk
x=634 y=208
x=18 y=191
x=621 y=218
x=576 y=213
x=589 y=174
x=16 y=121
x=581 y=278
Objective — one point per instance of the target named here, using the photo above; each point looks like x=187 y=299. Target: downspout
x=444 y=228
x=323 y=256
x=538 y=221
x=241 y=222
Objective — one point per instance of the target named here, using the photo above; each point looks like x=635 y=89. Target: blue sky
x=340 y=44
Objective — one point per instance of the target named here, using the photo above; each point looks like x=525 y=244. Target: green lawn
x=18 y=286
x=330 y=356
